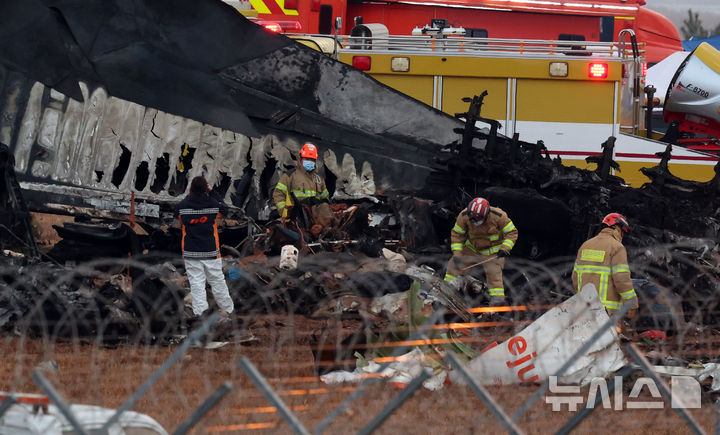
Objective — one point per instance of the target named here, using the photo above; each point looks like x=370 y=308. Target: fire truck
x=572 y=95
x=573 y=20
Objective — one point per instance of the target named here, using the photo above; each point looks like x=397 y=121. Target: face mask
x=309 y=165
x=477 y=221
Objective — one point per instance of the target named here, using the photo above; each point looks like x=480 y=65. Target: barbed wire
x=98 y=329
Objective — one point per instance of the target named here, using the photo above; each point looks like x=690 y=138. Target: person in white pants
x=200 y=270
x=198 y=214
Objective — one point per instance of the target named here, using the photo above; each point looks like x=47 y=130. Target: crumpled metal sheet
x=122 y=87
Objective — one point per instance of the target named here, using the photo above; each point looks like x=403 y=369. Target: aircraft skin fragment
x=83 y=143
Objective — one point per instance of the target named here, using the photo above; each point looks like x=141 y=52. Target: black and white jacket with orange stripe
x=198 y=216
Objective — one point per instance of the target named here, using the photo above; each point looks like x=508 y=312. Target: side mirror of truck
x=338 y=24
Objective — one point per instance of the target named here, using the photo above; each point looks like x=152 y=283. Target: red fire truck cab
x=576 y=20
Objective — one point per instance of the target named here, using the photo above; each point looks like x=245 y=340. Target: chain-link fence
x=349 y=343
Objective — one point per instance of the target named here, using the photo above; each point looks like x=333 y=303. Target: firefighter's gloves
x=456 y=259
x=278 y=214
x=502 y=254
x=497 y=301
x=314 y=201
x=631 y=314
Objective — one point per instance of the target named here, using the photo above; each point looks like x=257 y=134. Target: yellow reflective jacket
x=602 y=261
x=496 y=233
x=303 y=184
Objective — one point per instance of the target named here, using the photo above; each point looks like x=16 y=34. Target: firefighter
x=602 y=260
x=481 y=233
x=306 y=186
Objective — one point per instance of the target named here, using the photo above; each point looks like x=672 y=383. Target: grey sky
x=676 y=11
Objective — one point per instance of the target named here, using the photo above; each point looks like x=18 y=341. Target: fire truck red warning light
x=598 y=70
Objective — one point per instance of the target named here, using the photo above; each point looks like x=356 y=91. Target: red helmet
x=617 y=219
x=309 y=151
x=479 y=208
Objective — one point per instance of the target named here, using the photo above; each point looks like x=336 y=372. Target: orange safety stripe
x=217 y=238
x=182 y=240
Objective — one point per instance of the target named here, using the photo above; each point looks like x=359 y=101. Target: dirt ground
x=91 y=374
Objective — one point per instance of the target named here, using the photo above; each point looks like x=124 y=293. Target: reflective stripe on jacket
x=300 y=183
x=198 y=216
x=495 y=234
x=602 y=261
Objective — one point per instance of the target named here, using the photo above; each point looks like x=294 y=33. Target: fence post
x=64 y=408
x=7 y=403
x=270 y=395
x=664 y=389
x=395 y=403
x=192 y=338
x=486 y=398
x=203 y=409
x=611 y=322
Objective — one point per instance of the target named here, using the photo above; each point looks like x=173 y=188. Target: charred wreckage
x=109 y=109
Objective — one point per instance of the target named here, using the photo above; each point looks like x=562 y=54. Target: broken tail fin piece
x=542 y=348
